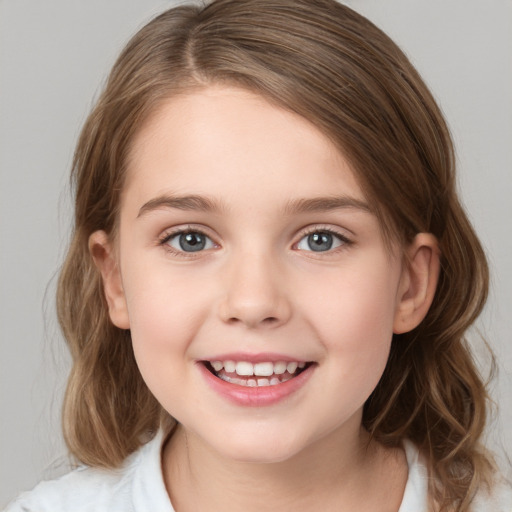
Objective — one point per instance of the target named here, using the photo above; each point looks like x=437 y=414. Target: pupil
x=320 y=241
x=192 y=242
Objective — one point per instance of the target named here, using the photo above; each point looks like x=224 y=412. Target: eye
x=321 y=241
x=189 y=241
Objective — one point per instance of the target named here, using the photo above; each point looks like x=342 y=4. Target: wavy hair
x=332 y=66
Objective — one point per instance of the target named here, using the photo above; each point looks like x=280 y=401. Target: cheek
x=353 y=319
x=157 y=320
x=166 y=311
x=161 y=332
x=356 y=301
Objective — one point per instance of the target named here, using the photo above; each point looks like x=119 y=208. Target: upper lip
x=260 y=357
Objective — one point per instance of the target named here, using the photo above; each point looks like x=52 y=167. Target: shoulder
x=415 y=499
x=498 y=499
x=138 y=485
x=81 y=490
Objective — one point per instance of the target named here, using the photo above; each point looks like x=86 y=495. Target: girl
x=270 y=278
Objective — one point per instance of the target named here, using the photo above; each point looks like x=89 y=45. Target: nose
x=255 y=293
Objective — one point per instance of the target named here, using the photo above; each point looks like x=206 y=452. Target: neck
x=336 y=470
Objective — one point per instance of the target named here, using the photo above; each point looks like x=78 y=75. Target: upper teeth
x=264 y=369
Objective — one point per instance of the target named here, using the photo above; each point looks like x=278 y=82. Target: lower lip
x=257 y=396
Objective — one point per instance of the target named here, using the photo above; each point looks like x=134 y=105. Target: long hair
x=332 y=66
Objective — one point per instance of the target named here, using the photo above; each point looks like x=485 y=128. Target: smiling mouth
x=244 y=373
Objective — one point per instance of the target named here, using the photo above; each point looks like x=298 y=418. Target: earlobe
x=418 y=282
x=104 y=257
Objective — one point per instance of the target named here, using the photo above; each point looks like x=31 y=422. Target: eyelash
x=345 y=241
x=168 y=236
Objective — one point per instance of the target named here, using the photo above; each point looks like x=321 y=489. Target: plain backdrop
x=54 y=57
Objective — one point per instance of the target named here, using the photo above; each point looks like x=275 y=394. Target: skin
x=258 y=287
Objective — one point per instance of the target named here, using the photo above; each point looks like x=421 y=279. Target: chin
x=258 y=448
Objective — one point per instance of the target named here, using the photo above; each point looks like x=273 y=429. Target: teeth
x=217 y=366
x=279 y=368
x=291 y=367
x=252 y=383
x=244 y=368
x=265 y=369
x=229 y=366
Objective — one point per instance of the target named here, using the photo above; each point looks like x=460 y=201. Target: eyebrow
x=187 y=203
x=325 y=204
x=295 y=206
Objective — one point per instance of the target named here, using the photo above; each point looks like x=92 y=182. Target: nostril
x=271 y=320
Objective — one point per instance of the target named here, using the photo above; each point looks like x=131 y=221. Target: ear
x=418 y=282
x=103 y=254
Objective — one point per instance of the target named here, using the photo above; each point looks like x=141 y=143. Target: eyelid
x=170 y=233
x=322 y=228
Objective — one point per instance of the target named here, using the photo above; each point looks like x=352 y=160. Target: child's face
x=281 y=262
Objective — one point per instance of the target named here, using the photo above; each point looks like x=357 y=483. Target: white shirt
x=138 y=486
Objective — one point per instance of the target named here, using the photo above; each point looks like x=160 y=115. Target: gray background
x=55 y=54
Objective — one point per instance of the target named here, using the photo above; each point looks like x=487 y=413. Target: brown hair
x=332 y=66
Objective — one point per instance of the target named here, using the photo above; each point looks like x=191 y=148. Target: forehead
x=219 y=140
